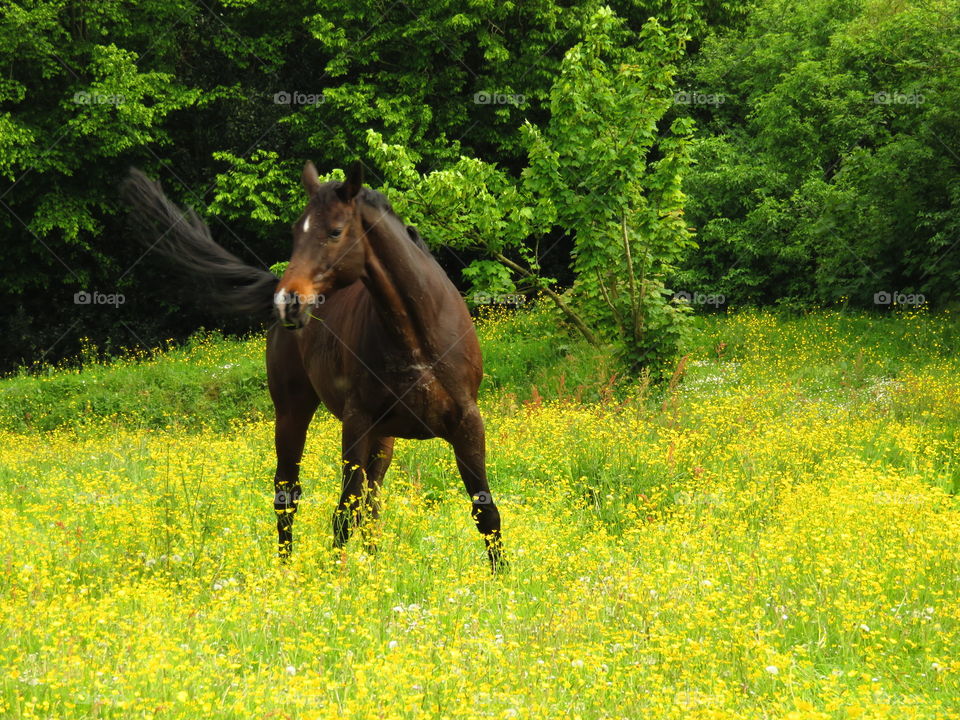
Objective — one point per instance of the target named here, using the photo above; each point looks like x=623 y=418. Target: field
x=774 y=534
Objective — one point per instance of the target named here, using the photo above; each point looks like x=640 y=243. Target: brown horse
x=370 y=325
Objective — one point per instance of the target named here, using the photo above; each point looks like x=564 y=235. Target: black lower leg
x=487 y=518
x=348 y=512
x=381 y=453
x=285 y=500
x=355 y=445
x=469 y=446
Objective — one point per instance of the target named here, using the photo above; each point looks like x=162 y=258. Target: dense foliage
x=829 y=164
x=825 y=147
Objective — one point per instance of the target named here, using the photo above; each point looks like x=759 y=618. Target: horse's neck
x=399 y=276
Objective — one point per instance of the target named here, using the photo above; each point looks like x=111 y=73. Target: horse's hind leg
x=469 y=446
x=295 y=401
x=355 y=453
x=379 y=457
x=365 y=457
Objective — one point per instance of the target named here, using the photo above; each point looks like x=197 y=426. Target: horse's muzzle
x=292 y=311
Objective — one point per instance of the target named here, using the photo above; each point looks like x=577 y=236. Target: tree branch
x=557 y=300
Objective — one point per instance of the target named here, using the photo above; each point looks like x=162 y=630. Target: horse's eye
x=335 y=233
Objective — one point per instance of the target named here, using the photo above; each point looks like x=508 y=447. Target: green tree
x=602 y=166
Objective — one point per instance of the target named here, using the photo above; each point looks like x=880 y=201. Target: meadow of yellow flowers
x=773 y=536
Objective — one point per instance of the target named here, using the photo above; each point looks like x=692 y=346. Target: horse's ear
x=310 y=178
x=351 y=187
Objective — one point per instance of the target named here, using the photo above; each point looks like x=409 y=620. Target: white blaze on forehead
x=306 y=223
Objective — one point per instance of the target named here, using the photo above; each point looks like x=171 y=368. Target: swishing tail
x=184 y=239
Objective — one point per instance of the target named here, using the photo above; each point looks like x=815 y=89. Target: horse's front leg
x=289 y=437
x=294 y=401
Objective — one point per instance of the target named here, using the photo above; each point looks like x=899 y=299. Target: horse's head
x=328 y=246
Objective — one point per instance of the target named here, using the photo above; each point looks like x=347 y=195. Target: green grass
x=212 y=381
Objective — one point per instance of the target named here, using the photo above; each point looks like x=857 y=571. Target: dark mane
x=377 y=200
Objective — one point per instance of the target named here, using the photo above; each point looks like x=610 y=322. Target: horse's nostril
x=292 y=308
